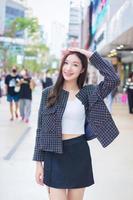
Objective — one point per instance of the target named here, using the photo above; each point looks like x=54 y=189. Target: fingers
x=74 y=49
x=87 y=53
x=65 y=52
x=39 y=173
x=82 y=51
x=39 y=179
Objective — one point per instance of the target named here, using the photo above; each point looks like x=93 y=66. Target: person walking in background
x=0 y=88
x=46 y=81
x=0 y=84
x=12 y=91
x=129 y=89
x=62 y=154
x=54 y=76
x=27 y=84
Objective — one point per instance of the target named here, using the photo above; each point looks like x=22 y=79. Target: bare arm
x=32 y=84
x=6 y=88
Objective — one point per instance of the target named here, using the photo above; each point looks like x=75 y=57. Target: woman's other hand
x=39 y=173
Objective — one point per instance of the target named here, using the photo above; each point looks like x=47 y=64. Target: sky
x=49 y=11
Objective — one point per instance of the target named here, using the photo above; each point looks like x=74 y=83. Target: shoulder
x=47 y=90
x=45 y=93
x=7 y=77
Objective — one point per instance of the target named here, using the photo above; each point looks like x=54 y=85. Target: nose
x=69 y=67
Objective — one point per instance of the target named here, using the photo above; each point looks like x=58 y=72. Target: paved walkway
x=112 y=166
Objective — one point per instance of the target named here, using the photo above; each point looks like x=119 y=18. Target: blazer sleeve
x=111 y=78
x=39 y=154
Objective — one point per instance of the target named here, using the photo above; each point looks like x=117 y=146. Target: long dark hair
x=54 y=94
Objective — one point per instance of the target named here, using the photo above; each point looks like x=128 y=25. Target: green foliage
x=34 y=50
x=31 y=26
x=21 y=24
x=32 y=65
x=11 y=61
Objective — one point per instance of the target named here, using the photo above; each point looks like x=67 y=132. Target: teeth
x=68 y=74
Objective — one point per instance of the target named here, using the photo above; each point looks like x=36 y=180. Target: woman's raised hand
x=87 y=53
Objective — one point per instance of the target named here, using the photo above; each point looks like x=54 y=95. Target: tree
x=32 y=29
x=38 y=54
x=21 y=24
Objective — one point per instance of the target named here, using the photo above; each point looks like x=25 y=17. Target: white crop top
x=73 y=119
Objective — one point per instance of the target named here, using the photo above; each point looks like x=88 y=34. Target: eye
x=65 y=62
x=76 y=65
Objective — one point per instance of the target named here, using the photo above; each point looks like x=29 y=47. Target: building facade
x=110 y=32
x=58 y=38
x=9 y=11
x=75 y=24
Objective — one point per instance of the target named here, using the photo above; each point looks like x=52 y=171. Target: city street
x=66 y=42
x=113 y=166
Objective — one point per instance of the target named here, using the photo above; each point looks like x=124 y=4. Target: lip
x=68 y=74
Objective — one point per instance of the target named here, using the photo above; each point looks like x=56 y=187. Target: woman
x=61 y=151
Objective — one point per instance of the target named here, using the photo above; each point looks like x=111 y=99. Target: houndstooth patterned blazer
x=49 y=130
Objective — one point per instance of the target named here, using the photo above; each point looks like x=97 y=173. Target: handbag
x=89 y=134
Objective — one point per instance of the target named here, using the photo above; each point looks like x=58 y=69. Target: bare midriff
x=69 y=136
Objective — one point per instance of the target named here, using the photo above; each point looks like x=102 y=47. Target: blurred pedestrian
x=54 y=76
x=129 y=89
x=12 y=91
x=0 y=89
x=61 y=140
x=27 y=85
x=46 y=80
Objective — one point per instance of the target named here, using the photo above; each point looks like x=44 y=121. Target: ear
x=82 y=71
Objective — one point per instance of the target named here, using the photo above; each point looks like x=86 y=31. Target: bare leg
x=77 y=194
x=57 y=194
x=11 y=110
x=16 y=109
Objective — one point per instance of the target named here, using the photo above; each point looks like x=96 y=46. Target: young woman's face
x=72 y=68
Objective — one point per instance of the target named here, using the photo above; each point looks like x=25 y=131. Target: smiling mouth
x=68 y=74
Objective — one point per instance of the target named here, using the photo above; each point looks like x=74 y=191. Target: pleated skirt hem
x=72 y=169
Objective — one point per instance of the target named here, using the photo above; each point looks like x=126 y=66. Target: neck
x=13 y=74
x=70 y=86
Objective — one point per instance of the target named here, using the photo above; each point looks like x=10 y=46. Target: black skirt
x=72 y=169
